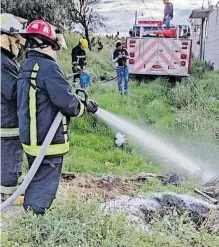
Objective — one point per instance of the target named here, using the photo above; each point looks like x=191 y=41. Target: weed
x=75 y=223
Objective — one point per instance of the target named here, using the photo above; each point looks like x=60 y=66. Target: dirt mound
x=108 y=187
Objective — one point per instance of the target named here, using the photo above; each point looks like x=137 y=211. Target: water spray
x=143 y=137
x=150 y=142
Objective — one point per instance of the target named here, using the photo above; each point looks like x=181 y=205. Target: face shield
x=61 y=41
x=49 y=50
x=12 y=44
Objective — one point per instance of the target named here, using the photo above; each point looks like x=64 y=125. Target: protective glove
x=91 y=106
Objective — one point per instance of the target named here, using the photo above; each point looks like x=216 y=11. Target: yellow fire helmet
x=84 y=43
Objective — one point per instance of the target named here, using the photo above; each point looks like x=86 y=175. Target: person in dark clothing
x=168 y=13
x=42 y=93
x=131 y=33
x=120 y=57
x=11 y=149
x=79 y=61
x=100 y=46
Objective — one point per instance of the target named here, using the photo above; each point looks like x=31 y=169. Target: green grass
x=185 y=187
x=72 y=223
x=98 y=63
x=92 y=142
x=175 y=112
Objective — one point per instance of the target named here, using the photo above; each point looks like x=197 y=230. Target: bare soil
x=106 y=187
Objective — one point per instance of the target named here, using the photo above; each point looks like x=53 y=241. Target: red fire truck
x=156 y=51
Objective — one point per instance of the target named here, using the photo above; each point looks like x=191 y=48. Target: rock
x=134 y=208
x=141 y=209
x=173 y=179
x=108 y=178
x=144 y=176
x=212 y=191
x=212 y=182
x=184 y=202
x=213 y=99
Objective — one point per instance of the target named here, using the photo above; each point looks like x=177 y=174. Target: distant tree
x=59 y=13
x=48 y=10
x=85 y=13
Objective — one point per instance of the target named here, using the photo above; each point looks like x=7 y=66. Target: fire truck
x=156 y=51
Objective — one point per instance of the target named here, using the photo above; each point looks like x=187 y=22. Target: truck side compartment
x=159 y=56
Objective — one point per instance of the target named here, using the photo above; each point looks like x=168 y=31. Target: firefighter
x=100 y=46
x=168 y=13
x=11 y=149
x=78 y=55
x=42 y=93
x=120 y=57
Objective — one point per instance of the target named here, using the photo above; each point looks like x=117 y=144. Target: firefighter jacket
x=120 y=62
x=9 y=73
x=79 y=56
x=42 y=92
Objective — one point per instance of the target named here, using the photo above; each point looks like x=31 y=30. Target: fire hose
x=42 y=152
x=100 y=81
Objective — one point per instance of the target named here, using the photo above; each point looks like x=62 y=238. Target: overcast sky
x=121 y=13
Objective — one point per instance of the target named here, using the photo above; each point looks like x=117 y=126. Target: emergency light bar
x=159 y=23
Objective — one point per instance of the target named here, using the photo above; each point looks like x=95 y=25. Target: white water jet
x=150 y=142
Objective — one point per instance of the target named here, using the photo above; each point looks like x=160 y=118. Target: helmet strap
x=34 y=43
x=10 y=45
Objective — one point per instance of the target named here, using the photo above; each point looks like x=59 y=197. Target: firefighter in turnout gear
x=11 y=149
x=120 y=57
x=78 y=55
x=42 y=93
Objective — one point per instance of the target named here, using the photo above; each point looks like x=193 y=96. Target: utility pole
x=136 y=16
x=201 y=39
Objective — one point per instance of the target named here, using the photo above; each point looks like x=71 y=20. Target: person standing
x=121 y=57
x=42 y=93
x=79 y=61
x=168 y=13
x=11 y=149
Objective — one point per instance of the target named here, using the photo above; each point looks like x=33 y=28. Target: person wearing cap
x=42 y=93
x=79 y=61
x=168 y=13
x=11 y=149
x=121 y=57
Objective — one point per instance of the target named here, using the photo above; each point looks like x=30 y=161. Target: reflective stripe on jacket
x=9 y=73
x=9 y=132
x=42 y=92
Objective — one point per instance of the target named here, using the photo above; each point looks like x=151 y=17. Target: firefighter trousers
x=42 y=190
x=11 y=163
x=75 y=69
